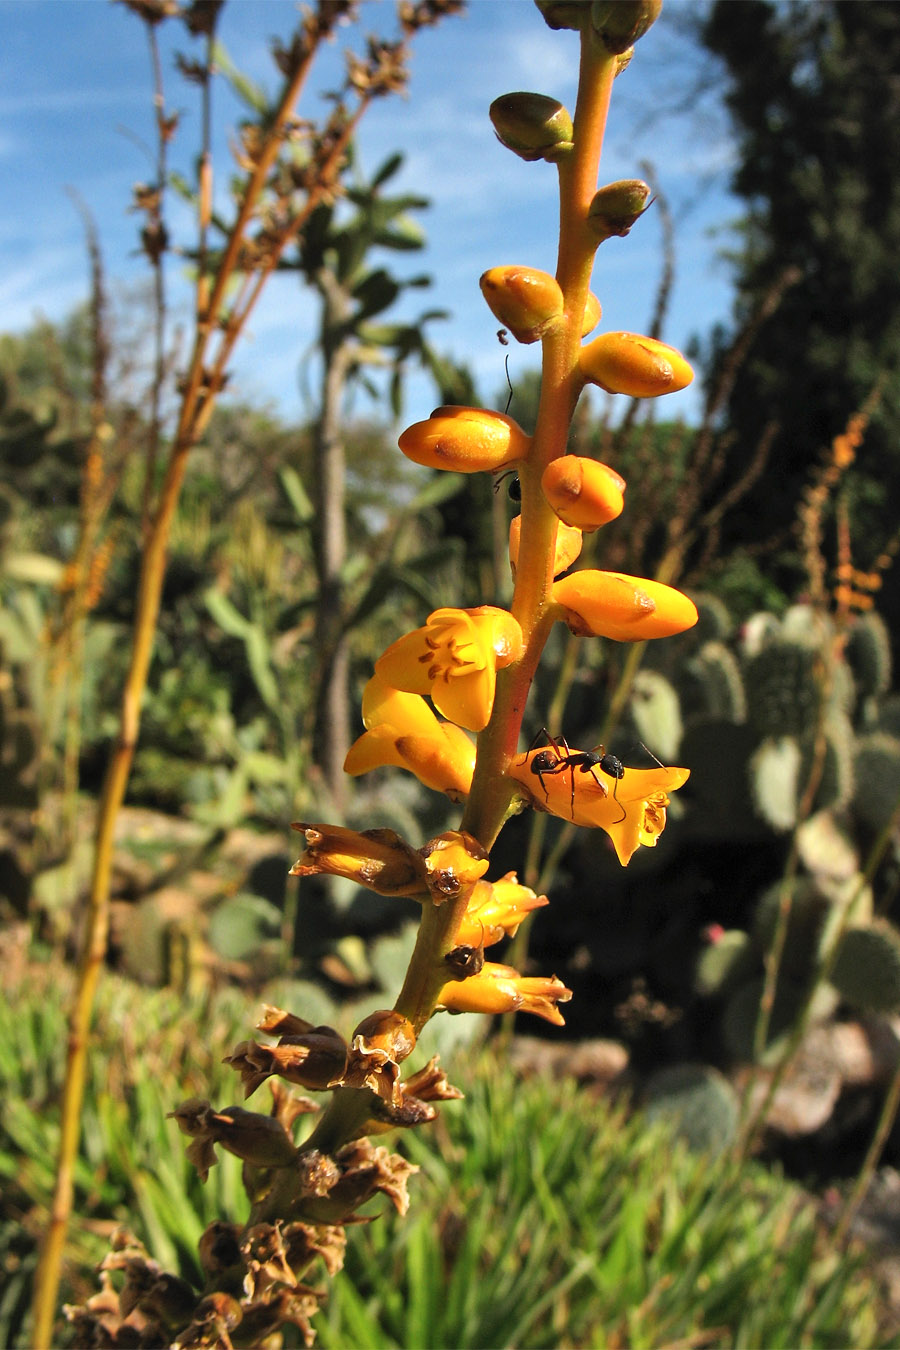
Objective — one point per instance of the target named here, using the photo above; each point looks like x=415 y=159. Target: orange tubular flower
x=627 y=363
x=500 y=989
x=495 y=910
x=401 y=730
x=631 y=809
x=568 y=545
x=465 y=440
x=455 y=659
x=626 y=609
x=583 y=492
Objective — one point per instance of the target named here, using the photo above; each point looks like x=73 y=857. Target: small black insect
x=502 y=337
x=465 y=961
x=558 y=758
x=514 y=488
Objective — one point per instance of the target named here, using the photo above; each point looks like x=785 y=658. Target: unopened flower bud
x=455 y=861
x=526 y=301
x=568 y=545
x=642 y=367
x=592 y=314
x=465 y=440
x=615 y=208
x=533 y=126
x=583 y=492
x=564 y=13
x=624 y=608
x=377 y=859
x=620 y=23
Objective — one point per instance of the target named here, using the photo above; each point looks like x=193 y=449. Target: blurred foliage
x=546 y=1217
x=812 y=93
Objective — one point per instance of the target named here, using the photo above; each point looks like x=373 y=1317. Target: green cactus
x=775 y=780
x=699 y=1100
x=714 y=622
x=717 y=673
x=888 y=716
x=784 y=684
x=656 y=714
x=741 y=1012
x=877 y=771
x=866 y=972
x=835 y=785
x=725 y=963
x=868 y=653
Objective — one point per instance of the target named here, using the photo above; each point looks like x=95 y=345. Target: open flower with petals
x=631 y=809
x=627 y=609
x=495 y=910
x=401 y=730
x=500 y=989
x=569 y=541
x=455 y=659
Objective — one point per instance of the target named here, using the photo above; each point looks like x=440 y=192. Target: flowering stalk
x=476 y=667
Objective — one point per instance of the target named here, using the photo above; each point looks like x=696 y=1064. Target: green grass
x=542 y=1216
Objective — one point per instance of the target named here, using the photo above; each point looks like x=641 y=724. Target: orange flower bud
x=465 y=440
x=626 y=363
x=500 y=989
x=533 y=126
x=592 y=314
x=568 y=545
x=526 y=301
x=626 y=609
x=583 y=492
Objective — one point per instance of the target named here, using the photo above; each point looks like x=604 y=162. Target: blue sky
x=75 y=111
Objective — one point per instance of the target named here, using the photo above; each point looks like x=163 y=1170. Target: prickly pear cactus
x=699 y=1100
x=877 y=769
x=866 y=972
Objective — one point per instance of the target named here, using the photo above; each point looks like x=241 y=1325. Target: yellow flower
x=624 y=608
x=583 y=492
x=465 y=440
x=627 y=363
x=401 y=730
x=455 y=659
x=500 y=989
x=631 y=808
x=495 y=910
x=568 y=545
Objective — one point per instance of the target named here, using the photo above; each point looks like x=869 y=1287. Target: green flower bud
x=564 y=13
x=620 y=23
x=533 y=126
x=615 y=208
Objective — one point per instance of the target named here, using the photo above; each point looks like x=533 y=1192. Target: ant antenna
x=648 y=751
x=509 y=382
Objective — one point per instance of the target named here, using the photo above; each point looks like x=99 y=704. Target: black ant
x=558 y=758
x=514 y=490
